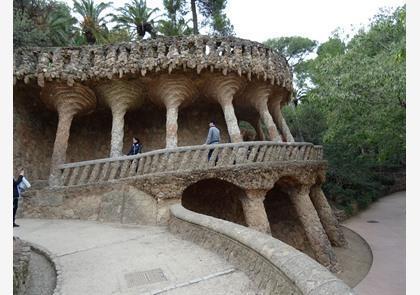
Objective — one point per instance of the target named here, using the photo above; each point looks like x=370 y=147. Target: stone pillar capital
x=256 y=193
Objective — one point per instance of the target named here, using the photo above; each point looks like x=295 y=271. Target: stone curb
x=53 y=259
x=306 y=274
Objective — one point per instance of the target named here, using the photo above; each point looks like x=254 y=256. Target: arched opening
x=215 y=197
x=283 y=218
x=247 y=130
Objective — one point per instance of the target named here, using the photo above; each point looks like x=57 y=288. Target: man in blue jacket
x=16 y=195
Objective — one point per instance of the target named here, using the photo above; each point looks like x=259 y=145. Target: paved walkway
x=99 y=258
x=383 y=227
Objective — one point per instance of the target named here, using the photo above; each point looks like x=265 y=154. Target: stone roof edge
x=81 y=63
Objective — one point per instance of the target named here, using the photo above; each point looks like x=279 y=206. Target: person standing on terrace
x=135 y=147
x=213 y=137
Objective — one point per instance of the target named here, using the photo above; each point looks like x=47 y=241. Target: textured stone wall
x=86 y=201
x=33 y=134
x=284 y=222
x=21 y=258
x=215 y=198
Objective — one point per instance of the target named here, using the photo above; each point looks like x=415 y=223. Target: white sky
x=263 y=19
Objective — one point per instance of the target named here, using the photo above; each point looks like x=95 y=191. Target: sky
x=275 y=18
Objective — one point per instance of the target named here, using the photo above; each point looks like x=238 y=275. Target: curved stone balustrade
x=276 y=268
x=225 y=54
x=185 y=159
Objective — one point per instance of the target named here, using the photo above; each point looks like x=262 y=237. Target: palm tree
x=93 y=24
x=60 y=27
x=175 y=24
x=137 y=18
x=170 y=28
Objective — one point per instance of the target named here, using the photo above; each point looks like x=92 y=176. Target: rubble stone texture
x=21 y=258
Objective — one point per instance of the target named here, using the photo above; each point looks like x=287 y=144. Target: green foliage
x=137 y=18
x=25 y=33
x=119 y=35
x=333 y=47
x=93 y=21
x=215 y=17
x=355 y=108
x=295 y=49
x=42 y=23
x=175 y=23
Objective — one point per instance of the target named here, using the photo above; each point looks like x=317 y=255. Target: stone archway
x=217 y=198
x=283 y=218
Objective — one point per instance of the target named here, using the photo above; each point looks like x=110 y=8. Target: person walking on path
x=16 y=195
x=135 y=147
x=213 y=137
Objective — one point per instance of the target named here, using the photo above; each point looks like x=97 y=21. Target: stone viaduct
x=77 y=108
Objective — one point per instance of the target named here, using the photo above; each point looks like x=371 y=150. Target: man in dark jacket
x=16 y=195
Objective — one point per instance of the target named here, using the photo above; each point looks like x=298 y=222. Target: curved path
x=383 y=227
x=97 y=258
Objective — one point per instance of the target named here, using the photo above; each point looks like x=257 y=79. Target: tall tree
x=175 y=23
x=358 y=90
x=213 y=16
x=295 y=49
x=93 y=22
x=137 y=17
x=194 y=15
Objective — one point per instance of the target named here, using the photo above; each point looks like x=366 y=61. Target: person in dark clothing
x=213 y=137
x=135 y=147
x=16 y=195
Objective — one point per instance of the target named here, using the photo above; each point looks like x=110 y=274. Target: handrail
x=186 y=158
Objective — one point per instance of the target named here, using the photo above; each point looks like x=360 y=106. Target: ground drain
x=372 y=221
x=139 y=278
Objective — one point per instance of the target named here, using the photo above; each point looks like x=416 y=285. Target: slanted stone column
x=256 y=123
x=67 y=101
x=172 y=123
x=254 y=210
x=222 y=89
x=258 y=95
x=172 y=91
x=314 y=231
x=120 y=96
x=327 y=217
x=274 y=106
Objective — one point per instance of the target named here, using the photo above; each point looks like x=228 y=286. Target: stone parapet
x=186 y=159
x=275 y=267
x=225 y=54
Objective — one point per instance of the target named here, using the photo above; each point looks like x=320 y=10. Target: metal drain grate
x=139 y=278
x=372 y=221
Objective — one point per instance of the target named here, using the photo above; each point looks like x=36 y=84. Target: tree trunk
x=194 y=13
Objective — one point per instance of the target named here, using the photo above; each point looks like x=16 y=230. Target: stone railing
x=274 y=267
x=225 y=54
x=187 y=158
